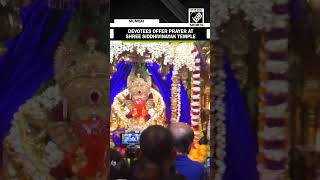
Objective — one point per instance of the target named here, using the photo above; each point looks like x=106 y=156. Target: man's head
x=183 y=136
x=157 y=144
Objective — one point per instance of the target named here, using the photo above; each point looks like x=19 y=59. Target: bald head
x=156 y=143
x=183 y=136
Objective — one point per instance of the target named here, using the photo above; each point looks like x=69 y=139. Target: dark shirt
x=192 y=170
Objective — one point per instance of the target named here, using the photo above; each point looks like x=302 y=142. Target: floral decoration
x=175 y=97
x=19 y=141
x=257 y=12
x=219 y=118
x=199 y=152
x=4 y=2
x=195 y=97
x=273 y=148
x=177 y=54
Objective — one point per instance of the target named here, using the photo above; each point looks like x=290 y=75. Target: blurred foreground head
x=145 y=169
x=118 y=166
x=183 y=136
x=157 y=144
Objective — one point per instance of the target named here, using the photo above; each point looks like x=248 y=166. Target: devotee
x=183 y=137
x=119 y=169
x=145 y=169
x=157 y=145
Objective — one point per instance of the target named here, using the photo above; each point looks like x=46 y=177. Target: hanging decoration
x=273 y=117
x=175 y=97
x=219 y=118
x=196 y=96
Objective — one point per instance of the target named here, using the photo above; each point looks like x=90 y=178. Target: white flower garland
x=179 y=102
x=183 y=56
x=258 y=12
x=219 y=116
x=4 y=2
x=178 y=55
x=36 y=108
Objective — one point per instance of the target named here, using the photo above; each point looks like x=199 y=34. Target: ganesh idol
x=139 y=105
x=63 y=132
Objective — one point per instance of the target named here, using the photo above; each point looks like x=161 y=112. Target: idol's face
x=139 y=89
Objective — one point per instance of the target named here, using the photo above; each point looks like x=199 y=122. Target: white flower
x=277 y=45
x=127 y=110
x=276 y=86
x=196 y=82
x=151 y=112
x=277 y=66
x=194 y=123
x=195 y=96
x=196 y=89
x=276 y=155
x=196 y=75
x=219 y=115
x=275 y=133
x=53 y=155
x=4 y=2
x=258 y=12
x=277 y=111
x=179 y=102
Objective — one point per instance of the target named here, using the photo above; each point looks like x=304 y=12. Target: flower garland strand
x=220 y=127
x=179 y=102
x=175 y=96
x=273 y=150
x=195 y=96
x=36 y=108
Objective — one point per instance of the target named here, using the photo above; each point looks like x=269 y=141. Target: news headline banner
x=160 y=34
